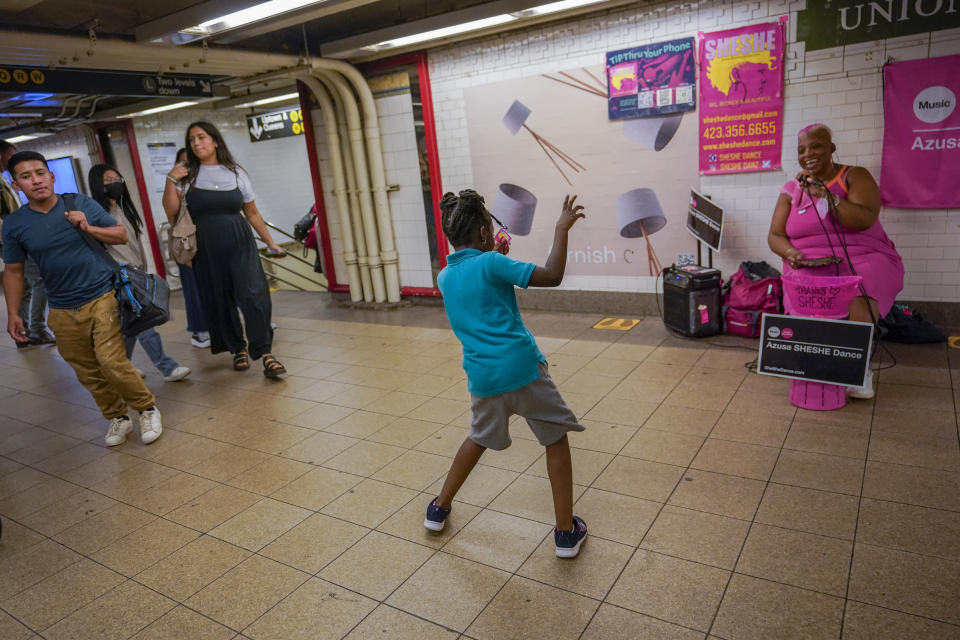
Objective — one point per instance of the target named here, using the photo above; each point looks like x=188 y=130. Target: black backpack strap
x=69 y=203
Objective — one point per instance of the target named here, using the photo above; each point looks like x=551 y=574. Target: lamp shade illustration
x=516 y=116
x=516 y=119
x=514 y=207
x=654 y=132
x=639 y=214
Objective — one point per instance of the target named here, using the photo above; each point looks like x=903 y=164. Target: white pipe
x=93 y=150
x=352 y=192
x=49 y=50
x=355 y=133
x=388 y=253
x=333 y=142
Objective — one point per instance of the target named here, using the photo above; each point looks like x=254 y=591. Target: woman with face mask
x=108 y=188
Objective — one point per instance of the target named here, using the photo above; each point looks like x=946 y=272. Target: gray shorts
x=539 y=402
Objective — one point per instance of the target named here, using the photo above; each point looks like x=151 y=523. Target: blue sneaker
x=436 y=516
x=568 y=542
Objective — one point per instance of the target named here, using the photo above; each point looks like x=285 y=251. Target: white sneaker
x=200 y=339
x=866 y=391
x=141 y=372
x=119 y=428
x=150 y=427
x=177 y=374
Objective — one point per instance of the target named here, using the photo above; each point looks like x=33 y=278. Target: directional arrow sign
x=275 y=124
x=255 y=129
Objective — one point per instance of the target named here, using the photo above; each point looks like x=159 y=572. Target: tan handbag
x=183 y=235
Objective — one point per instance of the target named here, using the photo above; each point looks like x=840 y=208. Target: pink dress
x=874 y=256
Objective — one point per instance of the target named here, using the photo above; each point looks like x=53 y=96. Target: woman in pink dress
x=832 y=211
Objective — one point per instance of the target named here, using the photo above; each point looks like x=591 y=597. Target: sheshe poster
x=535 y=139
x=741 y=99
x=921 y=134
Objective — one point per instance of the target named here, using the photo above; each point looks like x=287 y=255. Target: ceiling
x=143 y=36
x=121 y=18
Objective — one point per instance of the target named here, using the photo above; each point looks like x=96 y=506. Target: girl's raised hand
x=570 y=214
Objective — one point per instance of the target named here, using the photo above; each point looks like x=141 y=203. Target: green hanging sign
x=832 y=23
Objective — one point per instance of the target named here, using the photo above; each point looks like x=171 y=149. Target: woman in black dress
x=227 y=265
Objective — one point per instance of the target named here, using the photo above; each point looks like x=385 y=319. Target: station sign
x=823 y=24
x=276 y=124
x=815 y=349
x=21 y=79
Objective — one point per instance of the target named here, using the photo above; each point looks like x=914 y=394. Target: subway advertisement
x=535 y=139
x=626 y=138
x=653 y=79
x=741 y=99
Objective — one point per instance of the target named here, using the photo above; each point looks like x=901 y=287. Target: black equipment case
x=692 y=300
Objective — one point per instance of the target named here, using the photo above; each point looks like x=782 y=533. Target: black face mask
x=114 y=190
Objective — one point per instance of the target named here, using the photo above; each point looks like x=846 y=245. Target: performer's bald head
x=817 y=129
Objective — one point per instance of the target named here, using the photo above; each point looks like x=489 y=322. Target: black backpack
x=906 y=325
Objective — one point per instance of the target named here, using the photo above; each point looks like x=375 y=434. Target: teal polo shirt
x=499 y=352
x=73 y=274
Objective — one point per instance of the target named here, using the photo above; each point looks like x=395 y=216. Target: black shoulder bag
x=143 y=298
x=302 y=228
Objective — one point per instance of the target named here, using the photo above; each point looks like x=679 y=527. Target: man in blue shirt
x=33 y=308
x=506 y=372
x=83 y=309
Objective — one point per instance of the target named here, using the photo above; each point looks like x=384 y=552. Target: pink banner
x=741 y=99
x=921 y=134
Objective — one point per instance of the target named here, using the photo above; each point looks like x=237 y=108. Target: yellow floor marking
x=617 y=324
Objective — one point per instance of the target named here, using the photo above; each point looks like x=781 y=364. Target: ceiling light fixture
x=553 y=7
x=285 y=93
x=23 y=138
x=257 y=103
x=166 y=107
x=445 y=32
x=31 y=133
x=476 y=25
x=255 y=13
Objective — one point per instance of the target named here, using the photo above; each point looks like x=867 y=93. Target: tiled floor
x=286 y=510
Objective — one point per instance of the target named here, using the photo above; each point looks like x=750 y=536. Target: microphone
x=806 y=181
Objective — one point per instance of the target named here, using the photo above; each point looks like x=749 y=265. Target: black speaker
x=691 y=300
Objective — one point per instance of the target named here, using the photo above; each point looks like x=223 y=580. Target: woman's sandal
x=272 y=367
x=241 y=361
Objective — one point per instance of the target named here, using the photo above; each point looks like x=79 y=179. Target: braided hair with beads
x=463 y=214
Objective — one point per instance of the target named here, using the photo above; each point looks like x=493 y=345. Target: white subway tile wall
x=840 y=87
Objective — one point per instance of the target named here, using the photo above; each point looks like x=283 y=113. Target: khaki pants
x=89 y=340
